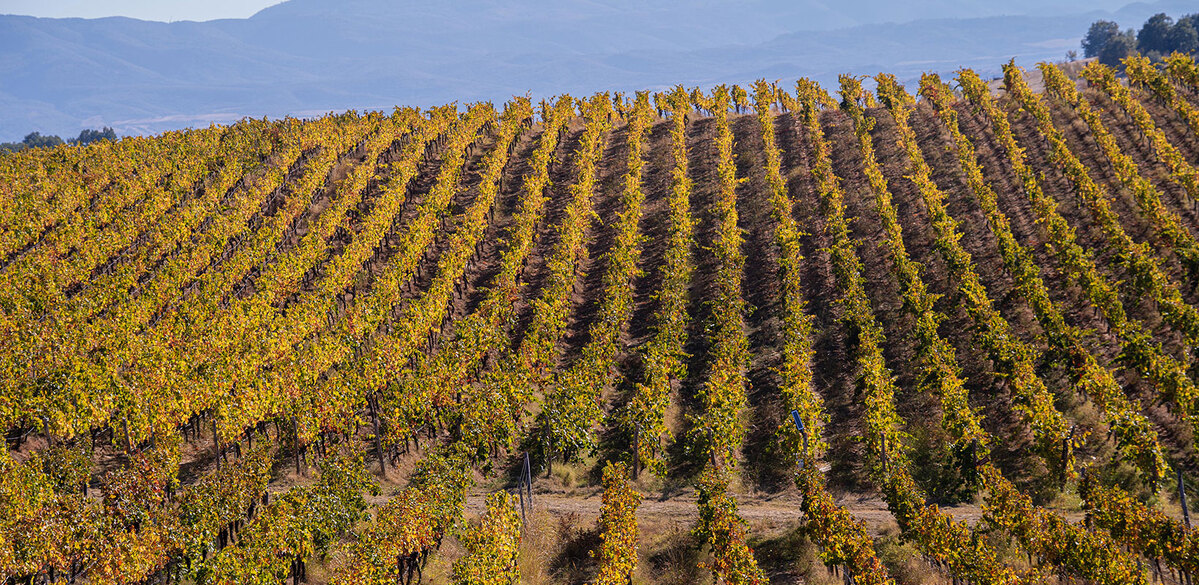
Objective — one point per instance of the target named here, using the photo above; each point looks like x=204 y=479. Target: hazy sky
x=165 y=10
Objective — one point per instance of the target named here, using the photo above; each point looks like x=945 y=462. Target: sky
x=163 y=10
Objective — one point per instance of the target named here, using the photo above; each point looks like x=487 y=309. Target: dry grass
x=671 y=558
x=904 y=562
x=556 y=549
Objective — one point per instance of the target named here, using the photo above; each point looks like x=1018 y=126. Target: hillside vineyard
x=218 y=343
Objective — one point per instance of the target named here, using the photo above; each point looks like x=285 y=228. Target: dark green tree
x=1119 y=47
x=37 y=140
x=1155 y=34
x=1184 y=38
x=1101 y=32
x=89 y=136
x=1191 y=19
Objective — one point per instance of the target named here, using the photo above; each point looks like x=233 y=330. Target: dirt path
x=757 y=510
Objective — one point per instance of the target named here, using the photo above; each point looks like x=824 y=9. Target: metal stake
x=1182 y=496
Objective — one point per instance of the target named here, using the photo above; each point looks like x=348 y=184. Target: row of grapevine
x=1141 y=72
x=937 y=534
x=717 y=432
x=36 y=283
x=1134 y=434
x=723 y=529
x=492 y=546
x=297 y=524
x=1167 y=223
x=530 y=367
x=1088 y=554
x=575 y=402
x=87 y=399
x=1181 y=170
x=663 y=357
x=223 y=499
x=883 y=434
x=245 y=147
x=842 y=538
x=1140 y=350
x=482 y=414
x=394 y=546
x=1146 y=275
x=1073 y=549
x=374 y=372
x=795 y=372
x=49 y=527
x=143 y=524
x=204 y=518
x=266 y=358
x=326 y=401
x=1182 y=69
x=1144 y=529
x=718 y=428
x=617 y=525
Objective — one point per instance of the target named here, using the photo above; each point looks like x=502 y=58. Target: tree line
x=1160 y=35
x=39 y=140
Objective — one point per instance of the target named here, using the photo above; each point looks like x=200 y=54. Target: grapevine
x=1147 y=276
x=1181 y=170
x=492 y=546
x=1139 y=348
x=1134 y=433
x=664 y=356
x=617 y=553
x=1169 y=226
x=1142 y=72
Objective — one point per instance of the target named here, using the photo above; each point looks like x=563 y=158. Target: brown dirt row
x=988 y=395
x=654 y=226
x=702 y=160
x=270 y=206
x=319 y=200
x=768 y=468
x=1068 y=295
x=1175 y=127
x=1131 y=143
x=588 y=290
x=561 y=176
x=1090 y=235
x=832 y=379
x=487 y=263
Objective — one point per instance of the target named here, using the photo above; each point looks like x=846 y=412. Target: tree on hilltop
x=1155 y=34
x=1100 y=34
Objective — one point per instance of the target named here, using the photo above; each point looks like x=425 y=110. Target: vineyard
x=781 y=333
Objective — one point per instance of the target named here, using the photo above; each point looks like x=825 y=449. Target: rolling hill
x=759 y=334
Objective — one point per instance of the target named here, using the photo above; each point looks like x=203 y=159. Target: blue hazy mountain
x=305 y=57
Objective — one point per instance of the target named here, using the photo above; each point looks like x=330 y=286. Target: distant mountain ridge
x=309 y=56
